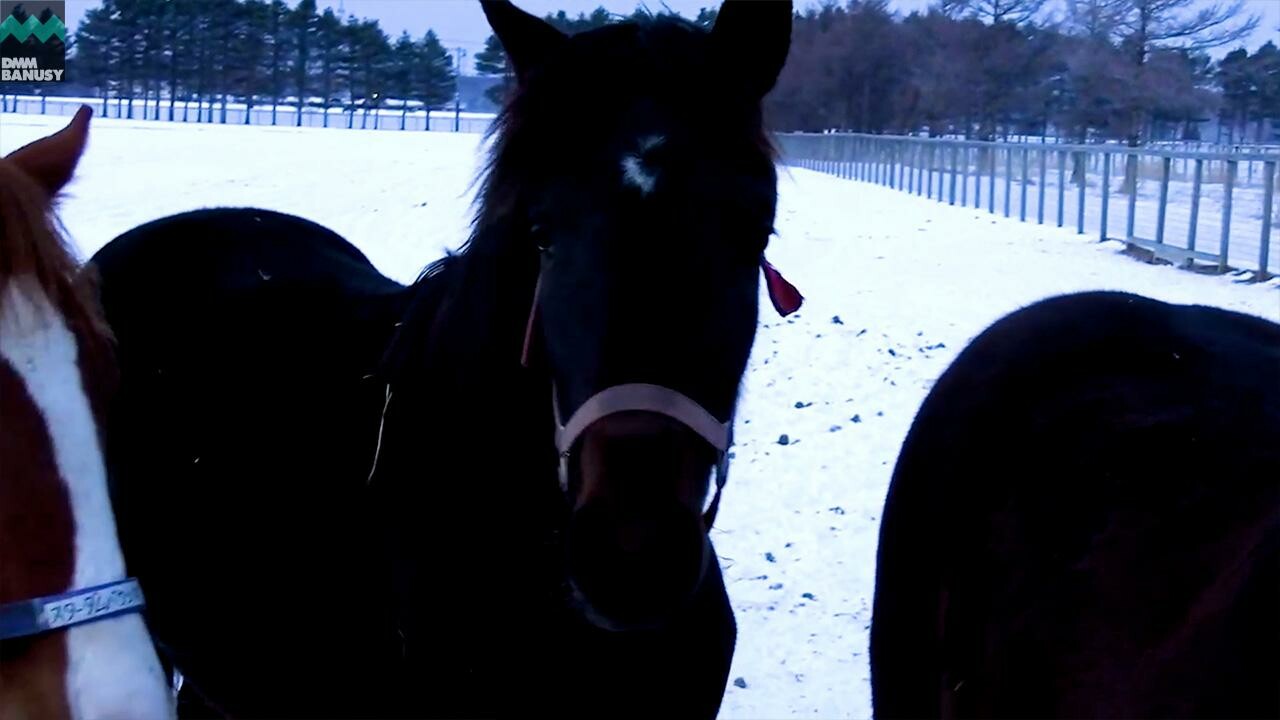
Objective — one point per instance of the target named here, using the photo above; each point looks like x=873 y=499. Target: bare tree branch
x=992 y=12
x=1095 y=19
x=1165 y=23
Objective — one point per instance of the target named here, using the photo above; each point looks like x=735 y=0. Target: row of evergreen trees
x=254 y=52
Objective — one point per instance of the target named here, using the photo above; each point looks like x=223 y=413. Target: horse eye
x=540 y=237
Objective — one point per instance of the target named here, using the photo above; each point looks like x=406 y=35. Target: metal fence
x=235 y=114
x=1214 y=209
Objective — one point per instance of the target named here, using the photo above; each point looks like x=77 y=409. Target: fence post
x=943 y=172
x=1268 y=203
x=977 y=177
x=919 y=167
x=1008 y=178
x=955 y=166
x=1022 y=200
x=1164 y=199
x=902 y=164
x=991 y=182
x=1084 y=183
x=1040 y=189
x=1106 y=196
x=929 y=186
x=1062 y=185
x=1224 y=248
x=891 y=151
x=1131 y=171
x=1195 y=205
x=911 y=167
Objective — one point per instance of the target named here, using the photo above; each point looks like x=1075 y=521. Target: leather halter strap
x=642 y=397
x=647 y=398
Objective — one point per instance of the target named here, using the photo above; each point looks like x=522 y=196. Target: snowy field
x=895 y=285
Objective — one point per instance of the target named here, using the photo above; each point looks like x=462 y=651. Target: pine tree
x=330 y=52
x=435 y=82
x=98 y=49
x=248 y=51
x=493 y=62
x=404 y=66
x=302 y=25
x=369 y=54
x=279 y=50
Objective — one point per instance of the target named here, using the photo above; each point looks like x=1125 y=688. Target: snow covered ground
x=895 y=285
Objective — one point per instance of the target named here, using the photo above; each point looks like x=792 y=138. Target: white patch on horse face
x=112 y=669
x=634 y=171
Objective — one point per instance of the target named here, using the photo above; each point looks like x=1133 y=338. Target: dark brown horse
x=1085 y=521
x=71 y=642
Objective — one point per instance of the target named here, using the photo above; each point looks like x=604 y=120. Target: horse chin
x=632 y=574
x=605 y=622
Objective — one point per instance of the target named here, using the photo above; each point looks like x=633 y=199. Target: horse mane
x=33 y=243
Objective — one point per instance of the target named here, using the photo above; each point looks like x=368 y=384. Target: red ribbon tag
x=786 y=298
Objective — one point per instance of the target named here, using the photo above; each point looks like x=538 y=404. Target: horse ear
x=528 y=40
x=754 y=37
x=51 y=161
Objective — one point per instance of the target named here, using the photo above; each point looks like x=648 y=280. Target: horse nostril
x=635 y=537
x=631 y=457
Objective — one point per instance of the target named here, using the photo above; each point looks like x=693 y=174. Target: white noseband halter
x=642 y=397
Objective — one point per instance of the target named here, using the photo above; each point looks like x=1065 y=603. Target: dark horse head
x=650 y=216
x=618 y=252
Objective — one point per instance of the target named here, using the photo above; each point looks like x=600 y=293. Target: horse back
x=238 y=447
x=1085 y=521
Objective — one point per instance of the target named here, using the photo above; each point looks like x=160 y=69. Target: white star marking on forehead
x=634 y=171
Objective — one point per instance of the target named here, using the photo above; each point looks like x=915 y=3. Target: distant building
x=471 y=89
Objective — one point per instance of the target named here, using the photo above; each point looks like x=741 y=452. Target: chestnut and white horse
x=72 y=642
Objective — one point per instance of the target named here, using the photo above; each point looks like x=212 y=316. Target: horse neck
x=52 y=424
x=477 y=331
x=461 y=383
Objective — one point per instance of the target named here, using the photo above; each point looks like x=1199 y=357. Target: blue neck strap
x=77 y=607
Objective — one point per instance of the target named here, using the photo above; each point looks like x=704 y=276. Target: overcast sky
x=461 y=24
